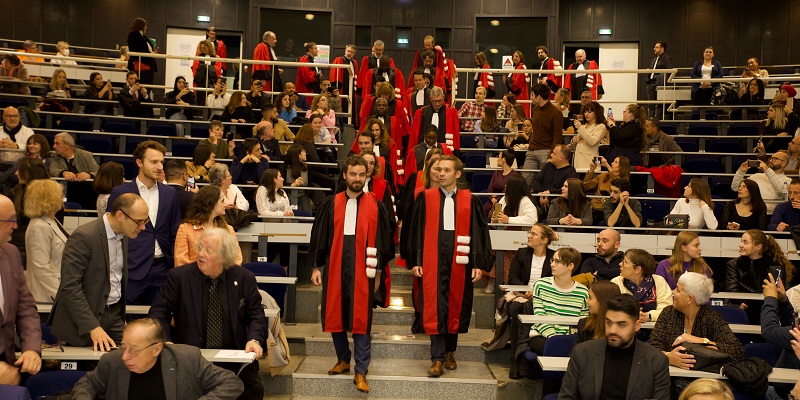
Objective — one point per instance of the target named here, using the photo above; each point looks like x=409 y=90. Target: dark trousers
x=143 y=292
x=702 y=97
x=253 y=386
x=653 y=110
x=111 y=321
x=441 y=344
x=362 y=344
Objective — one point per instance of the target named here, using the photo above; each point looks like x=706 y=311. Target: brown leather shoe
x=450 y=361
x=340 y=368
x=361 y=383
x=436 y=369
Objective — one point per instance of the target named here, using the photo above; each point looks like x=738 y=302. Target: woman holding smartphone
x=590 y=134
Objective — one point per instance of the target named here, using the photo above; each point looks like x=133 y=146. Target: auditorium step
x=396 y=378
x=403 y=316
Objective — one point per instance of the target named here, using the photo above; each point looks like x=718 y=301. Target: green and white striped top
x=549 y=299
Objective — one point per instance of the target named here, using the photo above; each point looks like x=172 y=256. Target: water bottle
x=785 y=191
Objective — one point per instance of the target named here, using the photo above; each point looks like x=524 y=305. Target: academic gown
x=445 y=298
x=519 y=85
x=340 y=78
x=347 y=292
x=411 y=100
x=485 y=80
x=393 y=171
x=308 y=77
x=367 y=64
x=450 y=135
x=398 y=126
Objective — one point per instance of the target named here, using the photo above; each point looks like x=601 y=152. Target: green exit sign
x=605 y=31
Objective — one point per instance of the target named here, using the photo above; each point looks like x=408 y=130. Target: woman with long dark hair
x=271 y=199
x=109 y=175
x=182 y=96
x=751 y=95
x=500 y=177
x=590 y=135
x=206 y=211
x=628 y=138
x=285 y=107
x=696 y=203
x=99 y=90
x=620 y=167
x=748 y=211
x=202 y=160
x=238 y=109
x=483 y=79
x=488 y=123
x=572 y=208
x=594 y=326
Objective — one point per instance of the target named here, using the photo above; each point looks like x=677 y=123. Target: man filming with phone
x=133 y=95
x=771 y=179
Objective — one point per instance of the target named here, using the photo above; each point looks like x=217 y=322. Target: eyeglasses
x=776 y=158
x=138 y=222
x=12 y=220
x=557 y=260
x=135 y=352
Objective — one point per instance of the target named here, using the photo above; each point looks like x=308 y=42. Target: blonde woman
x=62 y=49
x=44 y=239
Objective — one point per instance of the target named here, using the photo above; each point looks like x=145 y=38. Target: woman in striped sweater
x=556 y=295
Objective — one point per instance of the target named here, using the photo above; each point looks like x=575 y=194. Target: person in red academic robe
x=365 y=141
x=265 y=51
x=390 y=158
x=419 y=95
x=308 y=77
x=552 y=80
x=417 y=154
x=385 y=73
x=483 y=79
x=449 y=249
x=219 y=47
x=519 y=84
x=442 y=116
x=577 y=83
x=370 y=62
x=340 y=78
x=352 y=239
x=388 y=107
x=429 y=45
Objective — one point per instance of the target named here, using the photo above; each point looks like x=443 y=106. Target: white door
x=181 y=42
x=621 y=89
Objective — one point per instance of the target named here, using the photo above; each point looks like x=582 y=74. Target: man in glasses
x=89 y=309
x=145 y=367
x=771 y=179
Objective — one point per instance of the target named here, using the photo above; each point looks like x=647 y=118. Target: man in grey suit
x=75 y=166
x=618 y=366
x=89 y=308
x=147 y=368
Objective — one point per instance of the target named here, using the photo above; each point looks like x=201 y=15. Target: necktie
x=214 y=320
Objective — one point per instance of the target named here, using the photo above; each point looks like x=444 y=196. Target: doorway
x=620 y=89
x=184 y=42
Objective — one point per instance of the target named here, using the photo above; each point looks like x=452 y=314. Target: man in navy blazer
x=186 y=299
x=151 y=254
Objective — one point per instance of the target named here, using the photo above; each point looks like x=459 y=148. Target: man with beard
x=370 y=62
x=552 y=80
x=351 y=238
x=771 y=179
x=655 y=79
x=618 y=366
x=577 y=83
x=449 y=249
x=605 y=264
x=265 y=51
x=440 y=115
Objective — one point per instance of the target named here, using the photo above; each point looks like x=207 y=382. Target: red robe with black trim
x=399 y=83
x=399 y=126
x=307 y=77
x=519 y=85
x=450 y=136
x=396 y=163
x=439 y=59
x=368 y=63
x=341 y=77
x=348 y=294
x=552 y=80
x=412 y=157
x=445 y=296
x=592 y=82
x=262 y=53
x=485 y=80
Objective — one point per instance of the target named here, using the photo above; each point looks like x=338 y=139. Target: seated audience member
x=696 y=202
x=305 y=138
x=132 y=97
x=271 y=199
x=296 y=173
x=13 y=73
x=182 y=96
x=748 y=210
x=321 y=107
x=628 y=138
x=99 y=90
x=685 y=257
x=706 y=388
x=299 y=103
x=589 y=136
x=321 y=137
x=218 y=98
x=251 y=165
x=265 y=135
x=516 y=118
x=619 y=210
x=658 y=141
x=781 y=121
x=138 y=366
x=637 y=278
x=472 y=111
x=562 y=97
x=332 y=93
x=30 y=47
x=57 y=89
x=238 y=109
x=604 y=266
x=109 y=175
x=787 y=214
x=690 y=320
x=504 y=109
x=488 y=123
x=219 y=146
x=206 y=211
x=13 y=135
x=594 y=326
x=572 y=208
x=37 y=148
x=30 y=169
x=177 y=176
x=601 y=184
x=70 y=163
x=220 y=326
x=281 y=131
x=256 y=96
x=793 y=165
x=519 y=141
x=44 y=239
x=777 y=322
x=751 y=94
x=124 y=57
x=62 y=52
x=627 y=367
x=504 y=171
x=219 y=176
x=89 y=308
x=286 y=110
x=553 y=175
x=202 y=160
x=759 y=255
x=770 y=180
x=556 y=295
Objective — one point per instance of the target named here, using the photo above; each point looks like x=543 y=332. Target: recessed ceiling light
x=309 y=17
x=493 y=50
x=494 y=22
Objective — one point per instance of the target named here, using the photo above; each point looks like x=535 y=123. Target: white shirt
x=537 y=266
x=350 y=215
x=150 y=196
x=769 y=184
x=21 y=139
x=218 y=101
x=115 y=262
x=449 y=211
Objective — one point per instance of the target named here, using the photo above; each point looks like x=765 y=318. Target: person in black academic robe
x=347 y=282
x=447 y=258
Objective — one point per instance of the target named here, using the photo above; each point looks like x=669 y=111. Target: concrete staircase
x=400 y=359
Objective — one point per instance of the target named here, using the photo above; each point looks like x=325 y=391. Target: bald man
x=605 y=263
x=13 y=136
x=577 y=83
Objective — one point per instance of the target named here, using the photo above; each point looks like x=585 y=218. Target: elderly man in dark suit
x=215 y=305
x=18 y=306
x=147 y=368
x=150 y=255
x=617 y=366
x=89 y=309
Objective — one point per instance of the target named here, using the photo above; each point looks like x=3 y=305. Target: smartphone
x=597 y=160
x=610 y=114
x=498 y=208
x=778 y=277
x=753 y=163
x=190 y=185
x=795 y=320
x=776 y=273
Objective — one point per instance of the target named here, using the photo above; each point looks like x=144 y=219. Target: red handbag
x=140 y=66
